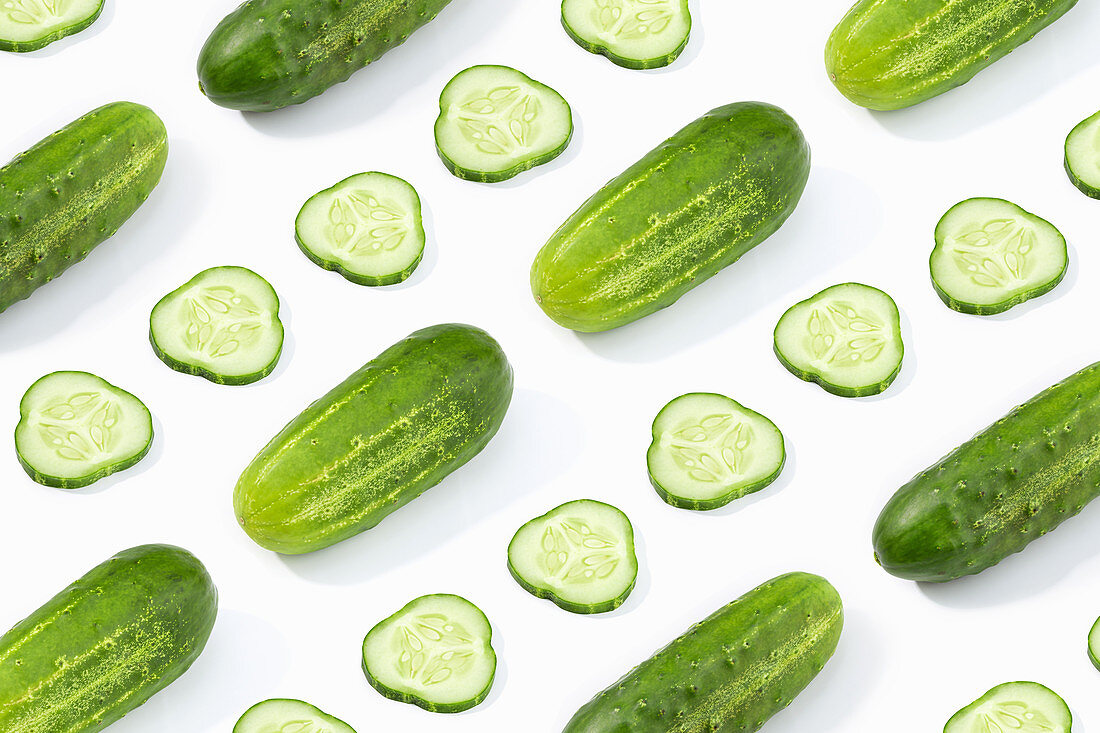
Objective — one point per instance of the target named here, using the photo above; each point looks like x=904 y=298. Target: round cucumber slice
x=434 y=653
x=223 y=325
x=495 y=122
x=367 y=227
x=708 y=450
x=579 y=555
x=1083 y=156
x=991 y=255
x=28 y=25
x=75 y=428
x=847 y=339
x=1094 y=644
x=1019 y=707
x=635 y=34
x=288 y=716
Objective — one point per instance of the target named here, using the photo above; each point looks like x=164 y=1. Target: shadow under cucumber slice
x=28 y=25
x=1021 y=707
x=643 y=34
x=279 y=714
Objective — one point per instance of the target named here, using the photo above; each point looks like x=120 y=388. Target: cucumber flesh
x=288 y=716
x=223 y=325
x=28 y=25
x=1019 y=707
x=579 y=555
x=75 y=428
x=495 y=122
x=635 y=34
x=367 y=227
x=1094 y=644
x=847 y=339
x=1083 y=156
x=708 y=450
x=434 y=653
x=991 y=255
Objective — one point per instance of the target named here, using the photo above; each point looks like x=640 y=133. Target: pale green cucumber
x=280 y=715
x=1013 y=707
x=1083 y=156
x=28 y=25
x=635 y=34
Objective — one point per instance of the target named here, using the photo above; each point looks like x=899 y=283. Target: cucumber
x=495 y=122
x=732 y=671
x=367 y=227
x=103 y=646
x=390 y=431
x=1094 y=644
x=269 y=54
x=222 y=324
x=1083 y=156
x=580 y=555
x=75 y=428
x=288 y=716
x=72 y=191
x=708 y=450
x=635 y=34
x=1010 y=484
x=847 y=339
x=689 y=208
x=435 y=653
x=991 y=255
x=890 y=54
x=28 y=25
x=1019 y=707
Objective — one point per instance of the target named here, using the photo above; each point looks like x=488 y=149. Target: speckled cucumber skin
x=731 y=672
x=689 y=208
x=890 y=54
x=107 y=643
x=390 y=431
x=73 y=190
x=1012 y=483
x=269 y=54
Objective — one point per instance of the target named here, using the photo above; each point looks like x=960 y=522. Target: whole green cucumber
x=269 y=54
x=732 y=671
x=689 y=208
x=395 y=428
x=104 y=645
x=73 y=190
x=1010 y=484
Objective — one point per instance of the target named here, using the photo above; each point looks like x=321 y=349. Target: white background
x=579 y=423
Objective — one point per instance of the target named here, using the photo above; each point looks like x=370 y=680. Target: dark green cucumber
x=689 y=208
x=1012 y=483
x=73 y=190
x=28 y=25
x=103 y=646
x=269 y=54
x=732 y=671
x=390 y=431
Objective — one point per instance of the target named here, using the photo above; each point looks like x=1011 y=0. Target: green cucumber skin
x=269 y=54
x=689 y=208
x=73 y=190
x=1012 y=483
x=1092 y=654
x=732 y=671
x=628 y=63
x=72 y=30
x=1083 y=187
x=891 y=54
x=390 y=431
x=104 y=645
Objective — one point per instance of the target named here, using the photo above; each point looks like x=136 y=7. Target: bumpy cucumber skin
x=689 y=208
x=104 y=645
x=890 y=54
x=732 y=671
x=330 y=719
x=1083 y=187
x=73 y=190
x=390 y=431
x=57 y=35
x=269 y=54
x=1012 y=483
x=629 y=63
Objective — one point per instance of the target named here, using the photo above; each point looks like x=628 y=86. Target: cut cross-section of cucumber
x=708 y=450
x=75 y=428
x=434 y=653
x=847 y=339
x=367 y=227
x=495 y=122
x=1083 y=156
x=579 y=555
x=1094 y=644
x=636 y=34
x=288 y=716
x=1019 y=707
x=991 y=255
x=223 y=324
x=28 y=25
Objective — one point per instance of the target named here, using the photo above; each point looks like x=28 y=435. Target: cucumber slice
x=75 y=428
x=28 y=25
x=847 y=339
x=991 y=255
x=222 y=324
x=495 y=122
x=579 y=555
x=1019 y=707
x=708 y=450
x=288 y=716
x=434 y=653
x=635 y=34
x=1083 y=156
x=367 y=227
x=1094 y=644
